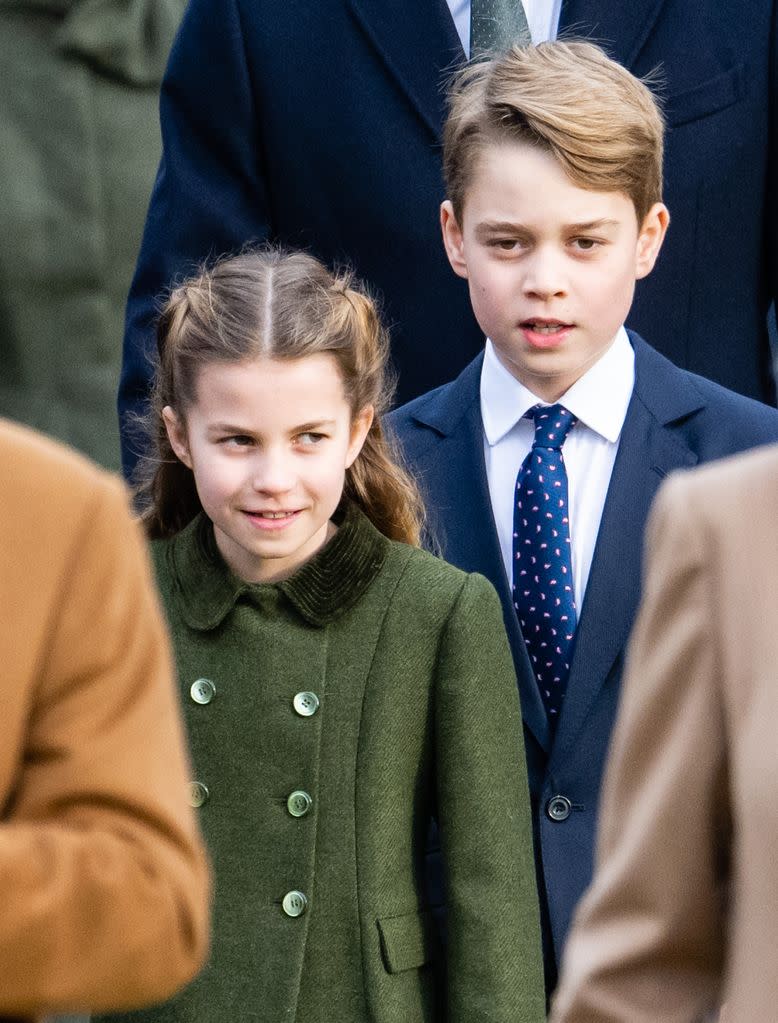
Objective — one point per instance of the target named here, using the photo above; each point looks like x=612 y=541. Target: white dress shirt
x=542 y=18
x=599 y=400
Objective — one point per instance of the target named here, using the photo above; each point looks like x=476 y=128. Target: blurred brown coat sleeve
x=103 y=880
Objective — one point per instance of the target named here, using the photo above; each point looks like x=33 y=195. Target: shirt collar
x=599 y=399
x=321 y=590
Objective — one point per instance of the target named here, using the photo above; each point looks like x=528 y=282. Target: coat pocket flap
x=707 y=98
x=408 y=941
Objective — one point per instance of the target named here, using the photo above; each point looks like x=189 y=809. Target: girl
x=341 y=686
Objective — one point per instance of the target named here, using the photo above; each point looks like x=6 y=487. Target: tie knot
x=552 y=425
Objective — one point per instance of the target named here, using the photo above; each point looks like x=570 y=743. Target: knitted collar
x=321 y=590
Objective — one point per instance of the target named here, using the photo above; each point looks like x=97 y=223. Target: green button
x=306 y=704
x=294 y=904
x=299 y=803
x=202 y=691
x=198 y=794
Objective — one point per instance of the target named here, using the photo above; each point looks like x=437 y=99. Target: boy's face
x=551 y=266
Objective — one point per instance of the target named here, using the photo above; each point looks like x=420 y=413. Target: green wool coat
x=329 y=715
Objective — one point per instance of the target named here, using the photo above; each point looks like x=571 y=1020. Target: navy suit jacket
x=674 y=421
x=317 y=123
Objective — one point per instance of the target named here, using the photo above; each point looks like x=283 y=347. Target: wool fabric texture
x=418 y=713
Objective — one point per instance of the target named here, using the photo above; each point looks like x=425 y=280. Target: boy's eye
x=505 y=244
x=585 y=244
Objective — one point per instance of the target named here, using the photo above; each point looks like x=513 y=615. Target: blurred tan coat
x=683 y=911
x=103 y=882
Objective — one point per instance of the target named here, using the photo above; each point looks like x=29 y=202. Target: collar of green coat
x=326 y=586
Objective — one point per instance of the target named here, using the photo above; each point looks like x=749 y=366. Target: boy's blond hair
x=600 y=122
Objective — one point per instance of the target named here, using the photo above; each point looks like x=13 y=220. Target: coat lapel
x=464 y=527
x=621 y=28
x=650 y=448
x=419 y=46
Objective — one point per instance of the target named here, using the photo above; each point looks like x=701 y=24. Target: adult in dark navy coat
x=674 y=420
x=318 y=124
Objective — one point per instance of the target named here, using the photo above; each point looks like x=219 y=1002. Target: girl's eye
x=309 y=439
x=239 y=440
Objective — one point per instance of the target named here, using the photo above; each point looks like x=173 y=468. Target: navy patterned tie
x=543 y=593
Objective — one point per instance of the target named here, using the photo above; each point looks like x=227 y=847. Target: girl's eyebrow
x=314 y=425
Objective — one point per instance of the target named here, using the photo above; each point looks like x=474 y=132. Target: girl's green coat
x=417 y=713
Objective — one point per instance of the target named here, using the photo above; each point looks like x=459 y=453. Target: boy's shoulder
x=442 y=408
x=704 y=410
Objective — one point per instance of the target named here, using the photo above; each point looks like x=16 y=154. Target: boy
x=540 y=461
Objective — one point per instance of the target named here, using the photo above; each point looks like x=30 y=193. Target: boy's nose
x=544 y=277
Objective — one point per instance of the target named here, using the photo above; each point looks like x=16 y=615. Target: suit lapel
x=419 y=46
x=455 y=474
x=650 y=448
x=621 y=28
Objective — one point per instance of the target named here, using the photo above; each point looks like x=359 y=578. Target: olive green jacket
x=79 y=146
x=329 y=715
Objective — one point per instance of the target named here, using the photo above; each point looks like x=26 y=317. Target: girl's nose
x=272 y=474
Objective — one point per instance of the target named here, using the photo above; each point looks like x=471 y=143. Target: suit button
x=202 y=691
x=306 y=704
x=294 y=904
x=558 y=808
x=299 y=803
x=198 y=794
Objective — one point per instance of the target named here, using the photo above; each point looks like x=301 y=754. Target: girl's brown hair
x=274 y=304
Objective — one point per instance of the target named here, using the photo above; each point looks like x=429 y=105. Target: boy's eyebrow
x=490 y=227
x=593 y=225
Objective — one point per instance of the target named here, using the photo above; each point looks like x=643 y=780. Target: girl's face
x=269 y=442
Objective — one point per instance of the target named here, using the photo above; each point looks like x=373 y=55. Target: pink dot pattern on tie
x=543 y=594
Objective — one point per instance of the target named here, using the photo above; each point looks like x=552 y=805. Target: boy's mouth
x=542 y=326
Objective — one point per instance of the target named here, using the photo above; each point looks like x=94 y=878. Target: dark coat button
x=558 y=808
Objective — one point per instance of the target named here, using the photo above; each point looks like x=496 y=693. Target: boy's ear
x=452 y=239
x=177 y=435
x=360 y=427
x=650 y=238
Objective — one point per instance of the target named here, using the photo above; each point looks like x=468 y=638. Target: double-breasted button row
x=299 y=802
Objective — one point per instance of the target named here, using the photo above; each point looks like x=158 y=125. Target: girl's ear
x=176 y=433
x=360 y=427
